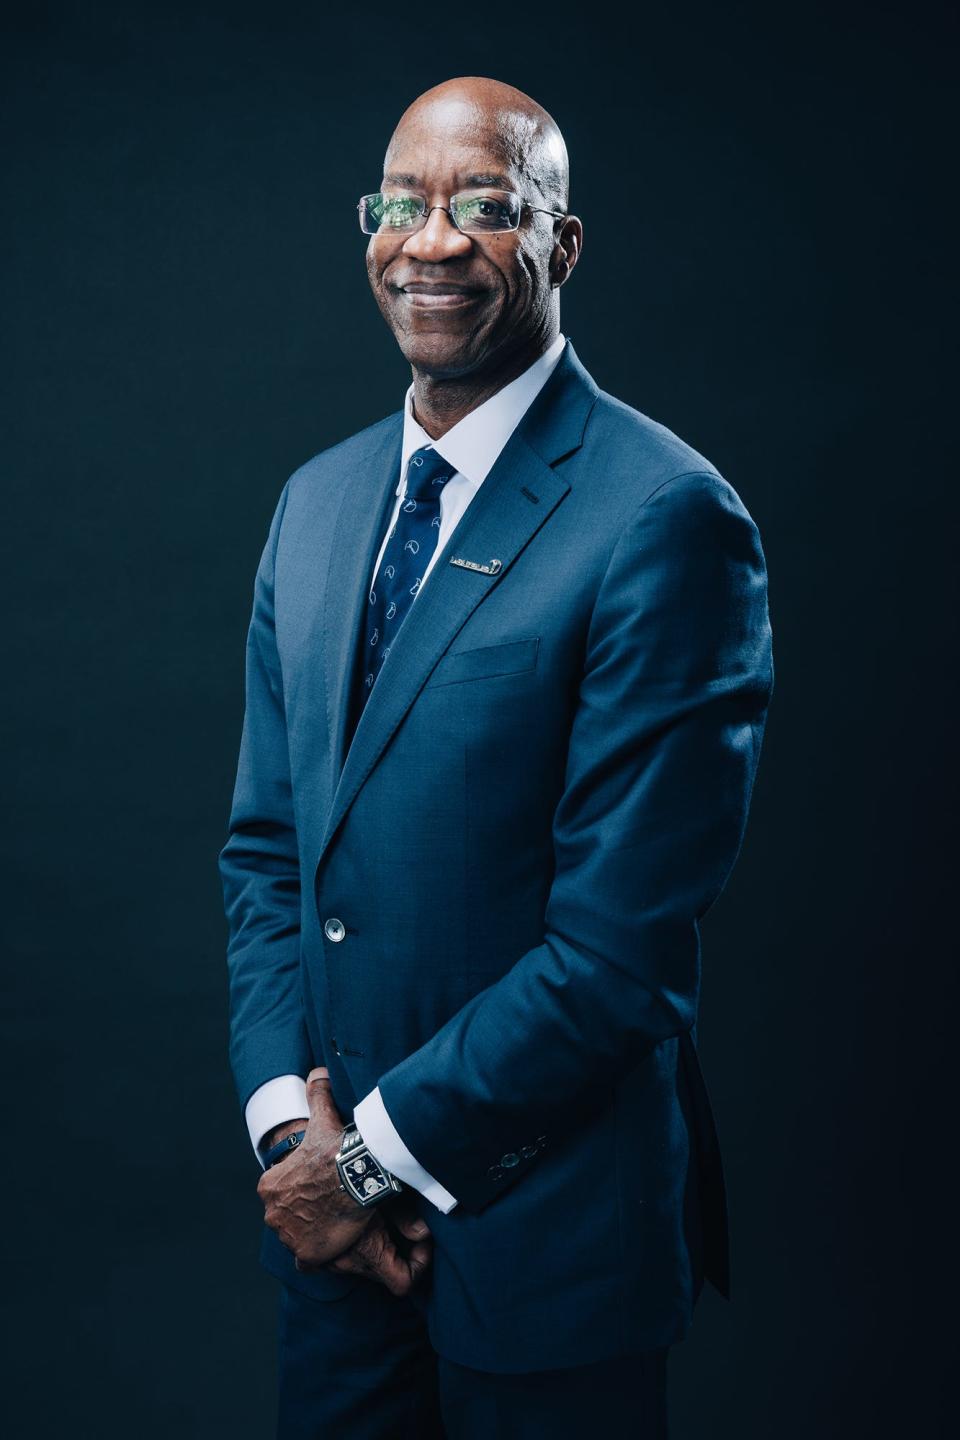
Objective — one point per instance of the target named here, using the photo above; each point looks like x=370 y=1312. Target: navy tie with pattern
x=408 y=552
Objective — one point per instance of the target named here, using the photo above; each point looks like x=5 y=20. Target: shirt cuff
x=279 y=1100
x=380 y=1135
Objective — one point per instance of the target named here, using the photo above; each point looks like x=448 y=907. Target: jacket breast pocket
x=485 y=661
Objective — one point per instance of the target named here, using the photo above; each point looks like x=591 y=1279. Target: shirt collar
x=473 y=445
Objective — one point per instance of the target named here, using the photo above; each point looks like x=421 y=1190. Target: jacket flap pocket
x=477 y=664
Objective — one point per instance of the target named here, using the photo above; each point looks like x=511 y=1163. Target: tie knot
x=427 y=473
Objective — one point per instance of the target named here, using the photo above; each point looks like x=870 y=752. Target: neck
x=439 y=402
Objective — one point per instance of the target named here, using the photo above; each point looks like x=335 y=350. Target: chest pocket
x=485 y=661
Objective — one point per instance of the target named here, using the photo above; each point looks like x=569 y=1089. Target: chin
x=442 y=356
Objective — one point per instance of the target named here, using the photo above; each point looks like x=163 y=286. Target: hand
x=375 y=1254
x=302 y=1197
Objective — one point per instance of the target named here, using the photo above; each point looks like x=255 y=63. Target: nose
x=438 y=239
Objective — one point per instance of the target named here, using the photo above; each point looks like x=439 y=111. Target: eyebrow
x=487 y=177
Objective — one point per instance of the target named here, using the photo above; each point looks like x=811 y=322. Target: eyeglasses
x=475 y=212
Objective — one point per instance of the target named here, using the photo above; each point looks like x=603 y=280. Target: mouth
x=424 y=295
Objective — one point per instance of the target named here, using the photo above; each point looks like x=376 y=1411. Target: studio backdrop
x=187 y=320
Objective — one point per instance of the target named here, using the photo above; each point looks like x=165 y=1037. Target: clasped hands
x=324 y=1226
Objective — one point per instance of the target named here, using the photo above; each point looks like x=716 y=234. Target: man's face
x=461 y=303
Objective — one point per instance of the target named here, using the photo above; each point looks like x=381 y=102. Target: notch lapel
x=362 y=518
x=515 y=500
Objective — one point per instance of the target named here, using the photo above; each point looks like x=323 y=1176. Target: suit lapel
x=515 y=500
x=361 y=521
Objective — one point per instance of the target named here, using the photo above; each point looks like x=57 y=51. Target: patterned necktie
x=409 y=548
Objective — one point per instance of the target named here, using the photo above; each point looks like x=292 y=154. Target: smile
x=438 y=297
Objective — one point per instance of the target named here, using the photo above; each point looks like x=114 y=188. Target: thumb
x=320 y=1096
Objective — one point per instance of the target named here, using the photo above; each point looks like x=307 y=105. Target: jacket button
x=510 y=1159
x=495 y=1172
x=528 y=1150
x=334 y=929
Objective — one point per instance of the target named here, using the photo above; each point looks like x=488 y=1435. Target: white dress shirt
x=472 y=447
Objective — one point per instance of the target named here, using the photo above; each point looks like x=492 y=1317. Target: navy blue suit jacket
x=543 y=796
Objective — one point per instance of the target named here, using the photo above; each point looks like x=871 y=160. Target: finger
x=351 y=1262
x=419 y=1260
x=413 y=1226
x=382 y=1262
x=375 y=1255
x=393 y=1271
x=342 y=1262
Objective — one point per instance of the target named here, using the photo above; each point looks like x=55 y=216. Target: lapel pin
x=490 y=569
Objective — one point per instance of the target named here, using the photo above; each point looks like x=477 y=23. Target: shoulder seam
x=628 y=525
x=680 y=475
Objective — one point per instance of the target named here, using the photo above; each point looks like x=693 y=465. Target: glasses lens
x=485 y=211
x=380 y=213
x=370 y=210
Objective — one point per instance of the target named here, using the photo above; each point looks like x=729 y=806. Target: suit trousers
x=363 y=1366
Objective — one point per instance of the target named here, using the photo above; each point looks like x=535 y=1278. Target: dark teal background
x=766 y=266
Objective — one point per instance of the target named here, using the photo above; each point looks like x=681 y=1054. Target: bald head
x=497 y=118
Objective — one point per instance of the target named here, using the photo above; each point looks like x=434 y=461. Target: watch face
x=366 y=1176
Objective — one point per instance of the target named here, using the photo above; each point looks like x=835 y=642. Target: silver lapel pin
x=491 y=569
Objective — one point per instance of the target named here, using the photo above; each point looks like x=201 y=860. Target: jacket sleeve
x=259 y=866
x=662 y=755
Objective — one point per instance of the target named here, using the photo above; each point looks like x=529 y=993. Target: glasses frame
x=427 y=211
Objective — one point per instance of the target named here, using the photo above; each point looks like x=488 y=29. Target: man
x=507 y=676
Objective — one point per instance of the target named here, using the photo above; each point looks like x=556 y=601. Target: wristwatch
x=361 y=1174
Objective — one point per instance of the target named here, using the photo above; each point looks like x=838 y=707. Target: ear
x=566 y=251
